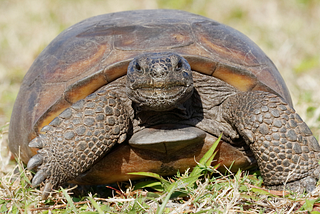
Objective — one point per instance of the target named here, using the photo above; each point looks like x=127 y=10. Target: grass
x=194 y=192
x=288 y=32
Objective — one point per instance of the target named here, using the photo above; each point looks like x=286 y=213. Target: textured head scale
x=159 y=81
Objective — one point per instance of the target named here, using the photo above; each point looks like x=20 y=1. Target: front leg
x=77 y=138
x=285 y=149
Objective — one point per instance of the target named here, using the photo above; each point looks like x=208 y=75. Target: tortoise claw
x=38 y=178
x=35 y=161
x=36 y=143
x=307 y=184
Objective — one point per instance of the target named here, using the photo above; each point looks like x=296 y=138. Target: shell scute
x=228 y=44
x=153 y=37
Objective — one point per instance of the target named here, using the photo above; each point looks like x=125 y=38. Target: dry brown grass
x=288 y=31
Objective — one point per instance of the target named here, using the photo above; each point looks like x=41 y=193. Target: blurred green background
x=288 y=32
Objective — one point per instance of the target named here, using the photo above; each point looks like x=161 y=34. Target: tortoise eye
x=179 y=66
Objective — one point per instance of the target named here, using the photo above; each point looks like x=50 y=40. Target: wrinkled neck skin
x=183 y=112
x=201 y=110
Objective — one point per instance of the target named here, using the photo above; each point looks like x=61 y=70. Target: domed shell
x=98 y=50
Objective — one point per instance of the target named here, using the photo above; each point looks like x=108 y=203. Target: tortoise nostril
x=179 y=66
x=138 y=67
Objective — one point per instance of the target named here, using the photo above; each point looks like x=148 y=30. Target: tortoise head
x=159 y=81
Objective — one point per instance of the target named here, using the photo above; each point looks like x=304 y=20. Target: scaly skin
x=283 y=144
x=77 y=138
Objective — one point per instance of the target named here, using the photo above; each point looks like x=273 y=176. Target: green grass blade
x=171 y=189
x=150 y=174
x=206 y=159
x=156 y=185
x=95 y=205
x=70 y=201
x=263 y=192
x=189 y=180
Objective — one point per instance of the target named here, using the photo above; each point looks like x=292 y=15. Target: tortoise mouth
x=161 y=92
x=161 y=98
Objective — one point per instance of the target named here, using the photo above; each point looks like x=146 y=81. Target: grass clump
x=202 y=190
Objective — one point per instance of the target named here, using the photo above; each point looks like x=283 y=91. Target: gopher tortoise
x=151 y=90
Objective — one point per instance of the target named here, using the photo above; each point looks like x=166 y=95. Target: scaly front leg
x=77 y=138
x=283 y=144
